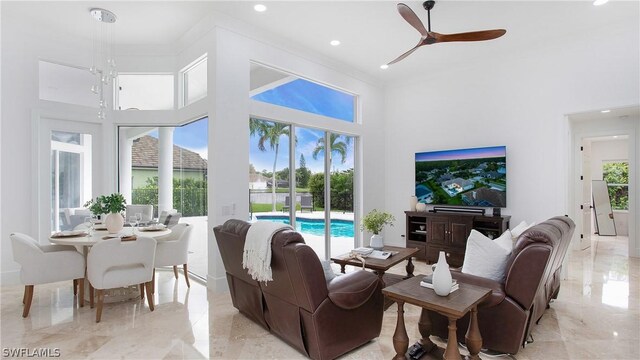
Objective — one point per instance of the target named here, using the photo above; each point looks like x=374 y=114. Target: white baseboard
x=217 y=285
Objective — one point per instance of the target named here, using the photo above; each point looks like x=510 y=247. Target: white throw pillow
x=519 y=229
x=485 y=257
x=328 y=271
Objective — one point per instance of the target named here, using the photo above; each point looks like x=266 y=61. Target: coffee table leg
x=342 y=266
x=424 y=326
x=473 y=337
x=400 y=337
x=409 y=268
x=452 y=352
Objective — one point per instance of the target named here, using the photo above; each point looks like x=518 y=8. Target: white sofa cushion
x=485 y=257
x=519 y=229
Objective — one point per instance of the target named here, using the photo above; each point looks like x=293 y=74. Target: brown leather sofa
x=322 y=320
x=532 y=280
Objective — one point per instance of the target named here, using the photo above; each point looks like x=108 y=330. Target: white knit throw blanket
x=256 y=257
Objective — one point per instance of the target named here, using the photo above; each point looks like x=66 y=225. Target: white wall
x=22 y=47
x=518 y=101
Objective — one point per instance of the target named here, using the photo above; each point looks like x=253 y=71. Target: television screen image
x=463 y=177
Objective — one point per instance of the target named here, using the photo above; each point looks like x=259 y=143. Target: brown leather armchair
x=322 y=320
x=533 y=279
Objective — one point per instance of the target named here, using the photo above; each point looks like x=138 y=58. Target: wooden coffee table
x=454 y=306
x=380 y=267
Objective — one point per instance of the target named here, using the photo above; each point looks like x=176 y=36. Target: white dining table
x=98 y=235
x=86 y=242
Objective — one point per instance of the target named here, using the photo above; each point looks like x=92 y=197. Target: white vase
x=442 y=276
x=114 y=223
x=421 y=207
x=377 y=242
x=413 y=201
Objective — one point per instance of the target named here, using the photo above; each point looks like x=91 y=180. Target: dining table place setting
x=153 y=227
x=69 y=233
x=122 y=237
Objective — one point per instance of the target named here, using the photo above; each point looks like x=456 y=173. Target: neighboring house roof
x=459 y=181
x=144 y=154
x=485 y=197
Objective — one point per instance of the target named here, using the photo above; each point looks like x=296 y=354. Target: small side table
x=454 y=306
x=380 y=266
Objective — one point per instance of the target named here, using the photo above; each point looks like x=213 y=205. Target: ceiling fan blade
x=469 y=36
x=406 y=54
x=412 y=18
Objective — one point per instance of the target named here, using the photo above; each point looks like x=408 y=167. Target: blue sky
x=311 y=97
x=475 y=153
x=193 y=136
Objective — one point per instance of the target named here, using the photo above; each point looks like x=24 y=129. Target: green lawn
x=256 y=208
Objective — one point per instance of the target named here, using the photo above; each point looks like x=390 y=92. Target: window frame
x=612 y=185
x=183 y=78
x=116 y=89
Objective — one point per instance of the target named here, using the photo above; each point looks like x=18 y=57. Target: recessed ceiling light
x=384 y=67
x=259 y=8
x=335 y=42
x=615 y=136
x=605 y=111
x=600 y=2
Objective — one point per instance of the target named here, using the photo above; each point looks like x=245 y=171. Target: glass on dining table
x=133 y=222
x=139 y=217
x=89 y=224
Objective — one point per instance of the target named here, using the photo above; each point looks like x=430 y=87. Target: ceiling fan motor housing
x=428 y=5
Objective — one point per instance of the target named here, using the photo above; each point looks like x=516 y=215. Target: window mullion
x=327 y=194
x=292 y=175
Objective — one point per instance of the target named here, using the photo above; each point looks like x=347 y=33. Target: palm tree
x=269 y=135
x=337 y=145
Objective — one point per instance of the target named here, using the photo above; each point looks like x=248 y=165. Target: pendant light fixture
x=104 y=65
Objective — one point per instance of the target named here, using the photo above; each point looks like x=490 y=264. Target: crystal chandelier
x=104 y=65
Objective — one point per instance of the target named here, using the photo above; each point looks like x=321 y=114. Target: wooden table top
x=456 y=304
x=379 y=264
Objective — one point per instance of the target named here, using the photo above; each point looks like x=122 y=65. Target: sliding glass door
x=324 y=218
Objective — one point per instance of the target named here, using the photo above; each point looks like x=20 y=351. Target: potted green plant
x=112 y=205
x=373 y=222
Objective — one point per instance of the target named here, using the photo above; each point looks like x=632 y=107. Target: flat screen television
x=463 y=177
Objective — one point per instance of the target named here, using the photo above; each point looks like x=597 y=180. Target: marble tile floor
x=597 y=316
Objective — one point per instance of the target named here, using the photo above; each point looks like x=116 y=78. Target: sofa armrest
x=351 y=290
x=526 y=274
x=497 y=289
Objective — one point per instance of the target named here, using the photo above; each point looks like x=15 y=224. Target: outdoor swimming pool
x=342 y=228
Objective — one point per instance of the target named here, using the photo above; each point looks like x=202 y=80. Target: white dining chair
x=115 y=263
x=43 y=264
x=172 y=250
x=145 y=210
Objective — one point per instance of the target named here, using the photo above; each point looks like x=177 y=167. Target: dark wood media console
x=434 y=232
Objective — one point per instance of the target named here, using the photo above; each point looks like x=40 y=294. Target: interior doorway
x=605 y=172
x=604 y=147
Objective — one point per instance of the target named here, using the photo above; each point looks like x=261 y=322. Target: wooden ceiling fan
x=429 y=37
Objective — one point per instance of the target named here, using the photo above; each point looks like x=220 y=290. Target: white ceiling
x=371 y=32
